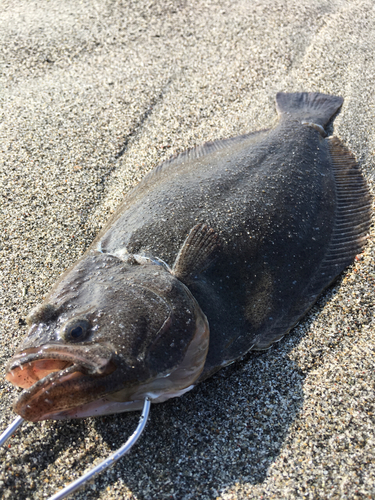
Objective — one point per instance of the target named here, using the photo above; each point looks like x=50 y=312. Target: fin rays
x=353 y=219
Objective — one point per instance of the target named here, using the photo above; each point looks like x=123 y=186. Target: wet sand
x=93 y=96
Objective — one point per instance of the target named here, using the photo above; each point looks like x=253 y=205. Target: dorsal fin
x=353 y=214
x=196 y=253
x=167 y=166
x=194 y=153
x=207 y=148
x=352 y=222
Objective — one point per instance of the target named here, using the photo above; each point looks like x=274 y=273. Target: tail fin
x=308 y=106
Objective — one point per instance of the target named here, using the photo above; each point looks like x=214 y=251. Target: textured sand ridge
x=92 y=96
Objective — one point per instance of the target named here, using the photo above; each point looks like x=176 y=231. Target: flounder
x=217 y=251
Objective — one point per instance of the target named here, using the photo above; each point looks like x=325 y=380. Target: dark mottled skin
x=289 y=209
x=273 y=204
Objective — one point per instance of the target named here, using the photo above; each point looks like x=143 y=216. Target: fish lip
x=92 y=358
x=74 y=364
x=22 y=404
x=27 y=404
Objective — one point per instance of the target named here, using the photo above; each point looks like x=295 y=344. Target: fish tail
x=309 y=107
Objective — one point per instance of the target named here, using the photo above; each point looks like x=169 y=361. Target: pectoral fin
x=197 y=252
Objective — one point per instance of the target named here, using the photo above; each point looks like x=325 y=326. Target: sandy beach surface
x=93 y=95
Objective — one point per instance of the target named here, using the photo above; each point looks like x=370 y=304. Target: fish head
x=110 y=334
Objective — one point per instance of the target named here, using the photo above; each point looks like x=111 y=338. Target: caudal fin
x=308 y=106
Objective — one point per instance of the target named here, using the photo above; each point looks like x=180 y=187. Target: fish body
x=216 y=252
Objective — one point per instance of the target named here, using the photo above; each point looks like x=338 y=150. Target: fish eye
x=75 y=330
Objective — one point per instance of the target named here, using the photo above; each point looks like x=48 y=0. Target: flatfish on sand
x=217 y=251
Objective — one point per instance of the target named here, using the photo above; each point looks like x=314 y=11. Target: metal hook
x=111 y=460
x=9 y=430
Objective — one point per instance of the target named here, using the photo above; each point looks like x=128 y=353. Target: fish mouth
x=181 y=379
x=59 y=377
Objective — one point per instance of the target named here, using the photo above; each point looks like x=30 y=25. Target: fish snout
x=59 y=377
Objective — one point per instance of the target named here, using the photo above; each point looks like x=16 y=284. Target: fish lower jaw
x=104 y=406
x=37 y=399
x=59 y=390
